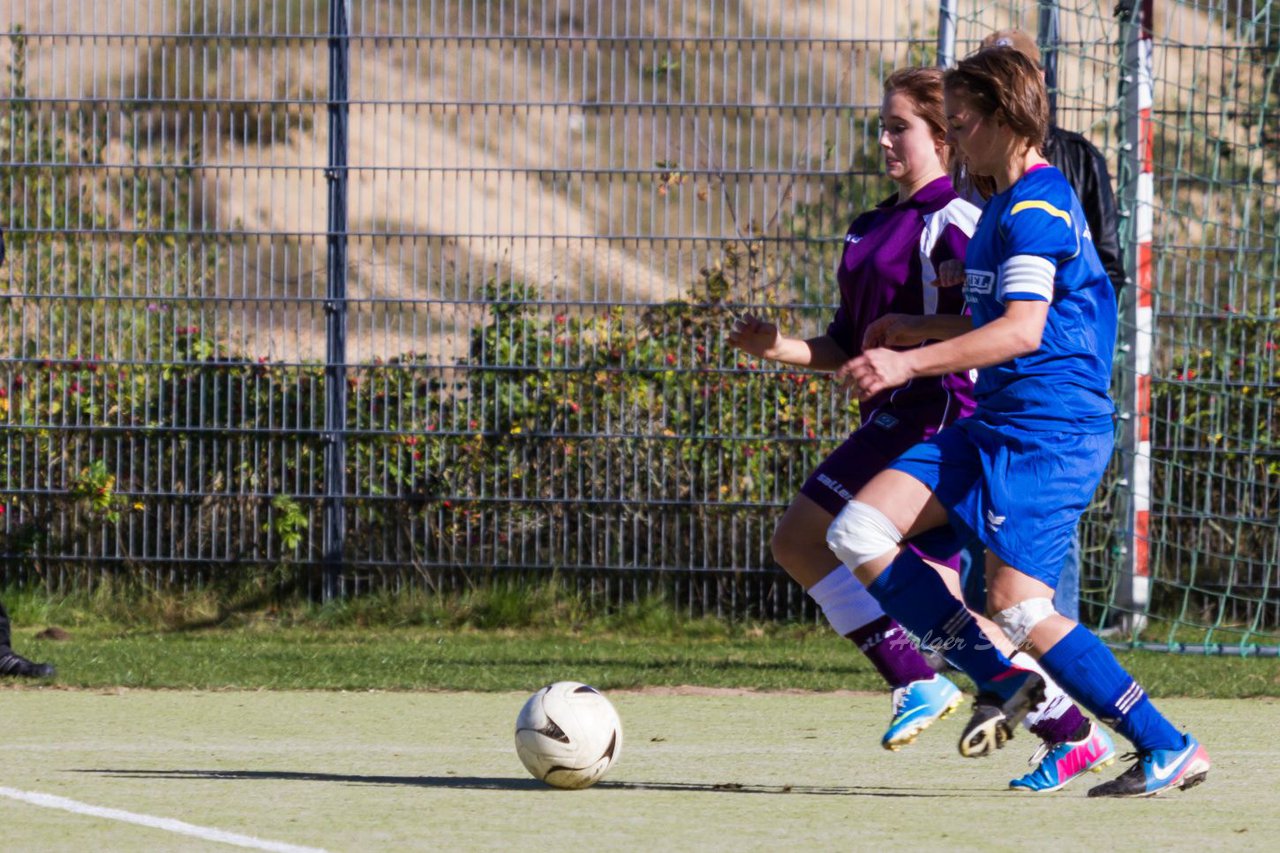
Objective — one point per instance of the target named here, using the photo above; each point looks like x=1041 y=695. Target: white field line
x=49 y=801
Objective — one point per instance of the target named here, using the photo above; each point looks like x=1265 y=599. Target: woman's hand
x=894 y=330
x=874 y=371
x=754 y=336
x=950 y=273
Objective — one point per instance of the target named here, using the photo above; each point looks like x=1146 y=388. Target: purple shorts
x=866 y=453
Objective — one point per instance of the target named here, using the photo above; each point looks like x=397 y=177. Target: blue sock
x=911 y=592
x=1090 y=673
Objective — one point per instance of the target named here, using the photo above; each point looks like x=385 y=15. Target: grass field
x=391 y=729
x=701 y=770
x=309 y=656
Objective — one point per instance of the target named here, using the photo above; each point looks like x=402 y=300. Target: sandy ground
x=477 y=159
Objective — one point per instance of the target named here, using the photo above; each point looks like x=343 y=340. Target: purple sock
x=1067 y=726
x=891 y=651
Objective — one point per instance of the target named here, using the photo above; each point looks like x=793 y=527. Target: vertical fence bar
x=336 y=302
x=947 y=33
x=1049 y=39
x=1133 y=589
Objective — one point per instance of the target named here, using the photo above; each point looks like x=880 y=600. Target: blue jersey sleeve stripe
x=1040 y=204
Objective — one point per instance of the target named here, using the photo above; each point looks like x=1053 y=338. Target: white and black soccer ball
x=568 y=735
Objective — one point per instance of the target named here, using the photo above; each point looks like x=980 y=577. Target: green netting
x=553 y=214
x=1215 y=372
x=1214 y=536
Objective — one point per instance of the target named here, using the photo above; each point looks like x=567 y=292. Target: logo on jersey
x=835 y=487
x=979 y=282
x=884 y=420
x=994 y=521
x=853 y=238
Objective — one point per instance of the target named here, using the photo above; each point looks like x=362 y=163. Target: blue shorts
x=866 y=453
x=1022 y=493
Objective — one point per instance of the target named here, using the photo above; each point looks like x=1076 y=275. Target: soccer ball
x=568 y=735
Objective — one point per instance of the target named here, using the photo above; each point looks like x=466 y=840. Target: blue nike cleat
x=1059 y=763
x=917 y=706
x=1001 y=705
x=1159 y=770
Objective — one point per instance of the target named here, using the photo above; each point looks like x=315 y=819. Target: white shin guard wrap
x=845 y=601
x=1018 y=621
x=1056 y=701
x=861 y=533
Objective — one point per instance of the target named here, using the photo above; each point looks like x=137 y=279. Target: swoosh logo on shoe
x=913 y=713
x=1163 y=773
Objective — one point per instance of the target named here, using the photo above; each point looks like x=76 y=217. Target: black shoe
x=1159 y=770
x=12 y=663
x=995 y=716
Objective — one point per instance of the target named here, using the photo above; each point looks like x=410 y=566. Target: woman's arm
x=1016 y=332
x=762 y=338
x=904 y=330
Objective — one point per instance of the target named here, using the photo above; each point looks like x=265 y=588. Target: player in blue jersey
x=890 y=258
x=1019 y=472
x=1085 y=169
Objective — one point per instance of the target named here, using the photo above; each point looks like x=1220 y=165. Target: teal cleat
x=917 y=706
x=1158 y=771
x=1058 y=764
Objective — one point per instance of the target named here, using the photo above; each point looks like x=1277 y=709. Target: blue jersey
x=1063 y=384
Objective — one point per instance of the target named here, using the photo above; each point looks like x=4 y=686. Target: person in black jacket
x=12 y=663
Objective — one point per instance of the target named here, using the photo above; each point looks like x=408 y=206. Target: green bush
x=554 y=418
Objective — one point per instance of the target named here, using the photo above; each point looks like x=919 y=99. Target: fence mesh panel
x=551 y=213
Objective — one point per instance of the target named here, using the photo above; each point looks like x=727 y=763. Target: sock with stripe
x=1090 y=673
x=1057 y=719
x=855 y=614
x=892 y=652
x=911 y=592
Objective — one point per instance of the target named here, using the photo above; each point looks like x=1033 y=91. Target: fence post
x=1133 y=586
x=335 y=305
x=946 y=33
x=1049 y=39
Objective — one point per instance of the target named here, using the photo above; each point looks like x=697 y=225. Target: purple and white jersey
x=891 y=257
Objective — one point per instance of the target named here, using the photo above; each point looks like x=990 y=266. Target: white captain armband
x=1027 y=276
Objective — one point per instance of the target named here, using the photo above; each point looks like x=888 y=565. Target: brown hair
x=924 y=87
x=1002 y=83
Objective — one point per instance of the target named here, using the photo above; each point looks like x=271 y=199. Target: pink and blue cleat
x=917 y=706
x=1059 y=763
x=1159 y=770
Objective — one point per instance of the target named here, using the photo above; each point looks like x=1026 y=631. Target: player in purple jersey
x=1021 y=469
x=890 y=254
x=888 y=265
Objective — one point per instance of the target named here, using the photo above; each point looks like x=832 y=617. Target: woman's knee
x=1015 y=601
x=800 y=535
x=795 y=542
x=862 y=533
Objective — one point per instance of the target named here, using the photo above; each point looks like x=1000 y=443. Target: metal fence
x=394 y=293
